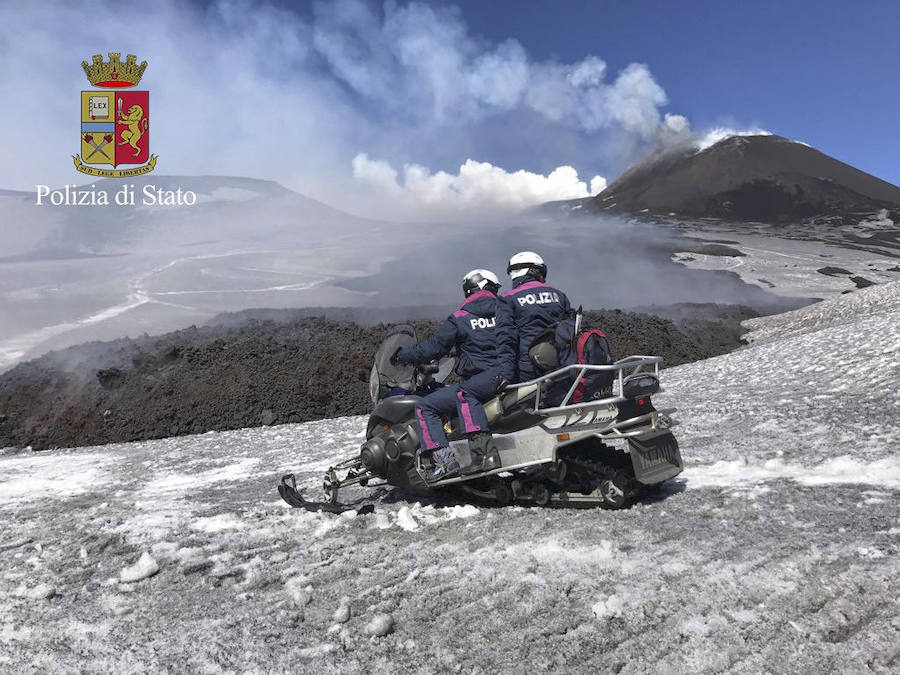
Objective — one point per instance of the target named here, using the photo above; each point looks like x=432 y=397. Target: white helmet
x=480 y=280
x=526 y=262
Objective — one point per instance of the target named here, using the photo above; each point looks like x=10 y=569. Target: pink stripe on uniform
x=426 y=436
x=527 y=286
x=476 y=295
x=468 y=422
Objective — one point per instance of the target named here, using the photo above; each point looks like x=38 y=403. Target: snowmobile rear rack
x=631 y=365
x=585 y=420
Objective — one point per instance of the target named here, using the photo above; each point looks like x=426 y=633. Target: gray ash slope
x=763 y=178
x=777 y=550
x=241 y=372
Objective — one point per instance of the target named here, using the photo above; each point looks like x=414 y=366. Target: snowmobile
x=549 y=452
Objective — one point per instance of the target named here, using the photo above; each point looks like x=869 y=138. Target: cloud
x=477 y=186
x=598 y=185
x=295 y=95
x=376 y=173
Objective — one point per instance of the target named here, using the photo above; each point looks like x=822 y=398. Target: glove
x=500 y=383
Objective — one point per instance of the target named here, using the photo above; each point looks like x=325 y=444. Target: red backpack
x=589 y=346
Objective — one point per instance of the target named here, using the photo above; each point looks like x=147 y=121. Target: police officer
x=531 y=306
x=473 y=330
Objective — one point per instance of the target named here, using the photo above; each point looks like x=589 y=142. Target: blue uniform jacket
x=531 y=306
x=474 y=332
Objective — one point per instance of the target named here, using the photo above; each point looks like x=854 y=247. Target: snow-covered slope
x=881 y=303
x=778 y=549
x=817 y=383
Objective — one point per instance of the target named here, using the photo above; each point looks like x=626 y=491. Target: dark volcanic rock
x=747 y=178
x=711 y=328
x=719 y=250
x=834 y=271
x=861 y=282
x=232 y=375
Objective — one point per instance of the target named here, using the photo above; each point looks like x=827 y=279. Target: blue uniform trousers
x=464 y=400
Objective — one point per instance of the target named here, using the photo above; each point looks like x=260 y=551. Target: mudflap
x=655 y=459
x=287 y=488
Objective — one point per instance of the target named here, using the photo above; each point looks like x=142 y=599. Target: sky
x=823 y=71
x=400 y=109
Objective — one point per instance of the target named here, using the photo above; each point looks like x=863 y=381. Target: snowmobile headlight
x=640 y=384
x=373 y=456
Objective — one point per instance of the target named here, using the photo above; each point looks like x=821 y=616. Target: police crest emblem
x=115 y=119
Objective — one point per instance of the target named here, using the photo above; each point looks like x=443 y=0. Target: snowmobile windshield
x=385 y=375
x=389 y=379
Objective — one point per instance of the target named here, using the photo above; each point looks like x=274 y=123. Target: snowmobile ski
x=287 y=488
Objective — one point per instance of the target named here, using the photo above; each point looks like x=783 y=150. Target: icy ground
x=777 y=550
x=789 y=267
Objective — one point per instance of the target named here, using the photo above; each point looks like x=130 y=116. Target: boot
x=484 y=455
x=443 y=471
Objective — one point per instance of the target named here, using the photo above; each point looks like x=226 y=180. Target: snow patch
x=844 y=469
x=460 y=511
x=342 y=613
x=189 y=554
x=718 y=134
x=406 y=520
x=875 y=301
x=873 y=553
x=381 y=521
x=25 y=478
x=220 y=523
x=178 y=482
x=608 y=607
x=316 y=650
x=380 y=625
x=39 y=592
x=144 y=568
x=880 y=220
x=116 y=604
x=300 y=590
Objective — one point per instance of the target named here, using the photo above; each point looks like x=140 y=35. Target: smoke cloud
x=478 y=186
x=301 y=96
x=717 y=134
x=395 y=111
